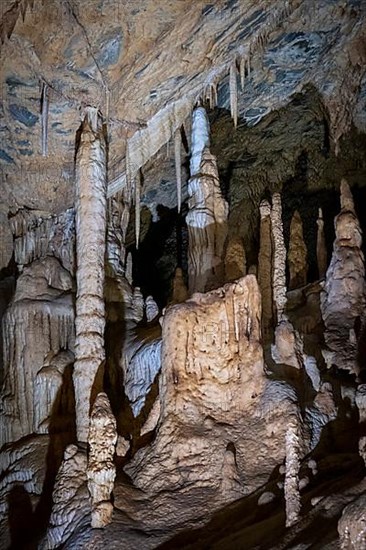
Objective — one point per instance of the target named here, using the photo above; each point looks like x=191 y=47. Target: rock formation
x=343 y=299
x=212 y=385
x=90 y=251
x=71 y=500
x=352 y=525
x=180 y=291
x=235 y=261
x=207 y=216
x=151 y=308
x=265 y=264
x=279 y=259
x=361 y=405
x=39 y=320
x=101 y=471
x=291 y=487
x=297 y=253
x=321 y=247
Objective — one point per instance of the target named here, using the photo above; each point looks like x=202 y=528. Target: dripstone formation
x=182 y=277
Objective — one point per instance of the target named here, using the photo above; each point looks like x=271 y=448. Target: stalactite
x=265 y=264
x=291 y=487
x=233 y=85
x=279 y=258
x=178 y=166
x=138 y=207
x=321 y=248
x=200 y=138
x=90 y=247
x=45 y=108
x=242 y=72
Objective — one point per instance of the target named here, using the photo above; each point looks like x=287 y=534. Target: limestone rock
x=151 y=309
x=38 y=234
x=6 y=240
x=71 y=501
x=141 y=363
x=118 y=210
x=352 y=525
x=213 y=394
x=53 y=392
x=152 y=419
x=343 y=299
x=288 y=347
x=39 y=320
x=235 y=261
x=90 y=247
x=297 y=253
x=101 y=471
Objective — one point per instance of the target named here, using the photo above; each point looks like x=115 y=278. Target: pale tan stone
x=297 y=253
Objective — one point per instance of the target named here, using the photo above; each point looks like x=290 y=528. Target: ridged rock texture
x=218 y=414
x=90 y=251
x=235 y=261
x=352 y=525
x=38 y=321
x=343 y=299
x=71 y=500
x=279 y=259
x=101 y=471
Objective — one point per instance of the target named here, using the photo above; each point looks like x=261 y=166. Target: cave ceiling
x=145 y=64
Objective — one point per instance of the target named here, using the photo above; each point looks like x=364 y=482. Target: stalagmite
x=279 y=259
x=235 y=260
x=291 y=487
x=208 y=212
x=233 y=85
x=361 y=405
x=352 y=525
x=45 y=107
x=90 y=243
x=178 y=166
x=137 y=207
x=101 y=471
x=151 y=309
x=297 y=253
x=70 y=497
x=321 y=248
x=212 y=384
x=265 y=264
x=128 y=273
x=180 y=291
x=344 y=297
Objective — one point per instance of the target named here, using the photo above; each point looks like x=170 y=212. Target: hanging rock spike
x=178 y=166
x=137 y=207
x=233 y=93
x=44 y=101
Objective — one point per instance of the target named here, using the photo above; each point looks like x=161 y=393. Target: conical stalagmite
x=179 y=291
x=90 y=251
x=265 y=264
x=343 y=300
x=279 y=258
x=235 y=260
x=208 y=212
x=292 y=492
x=297 y=254
x=321 y=248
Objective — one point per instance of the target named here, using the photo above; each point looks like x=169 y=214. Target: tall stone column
x=279 y=259
x=265 y=264
x=90 y=251
x=208 y=212
x=321 y=247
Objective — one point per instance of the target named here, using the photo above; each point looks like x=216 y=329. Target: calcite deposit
x=182 y=351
